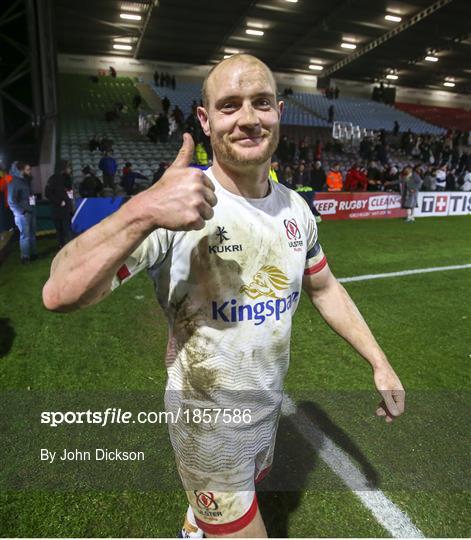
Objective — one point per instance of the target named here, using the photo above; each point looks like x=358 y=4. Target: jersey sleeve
x=315 y=258
x=151 y=252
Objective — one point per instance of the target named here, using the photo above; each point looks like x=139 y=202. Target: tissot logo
x=221 y=234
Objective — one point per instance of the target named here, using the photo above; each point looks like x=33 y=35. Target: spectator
x=163 y=166
x=128 y=179
x=301 y=176
x=288 y=178
x=113 y=72
x=450 y=183
x=108 y=166
x=162 y=128
x=165 y=105
x=93 y=144
x=430 y=182
x=440 y=178
x=331 y=114
x=90 y=186
x=318 y=177
x=22 y=203
x=137 y=100
x=336 y=92
x=396 y=128
x=60 y=194
x=179 y=117
x=356 y=180
x=162 y=79
x=106 y=145
x=412 y=183
x=173 y=82
x=466 y=181
x=156 y=78
x=201 y=155
x=334 y=179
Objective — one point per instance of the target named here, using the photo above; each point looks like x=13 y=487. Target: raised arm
x=341 y=314
x=82 y=272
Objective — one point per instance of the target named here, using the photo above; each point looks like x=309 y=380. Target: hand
x=183 y=198
x=62 y=203
x=389 y=386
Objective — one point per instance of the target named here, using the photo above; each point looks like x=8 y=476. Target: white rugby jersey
x=229 y=292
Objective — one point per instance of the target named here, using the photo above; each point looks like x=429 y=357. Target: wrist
x=138 y=214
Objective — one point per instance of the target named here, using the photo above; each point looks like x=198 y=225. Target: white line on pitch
x=404 y=273
x=394 y=520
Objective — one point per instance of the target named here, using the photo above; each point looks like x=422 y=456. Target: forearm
x=339 y=311
x=82 y=272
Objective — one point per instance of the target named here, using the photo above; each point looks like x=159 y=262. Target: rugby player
x=229 y=251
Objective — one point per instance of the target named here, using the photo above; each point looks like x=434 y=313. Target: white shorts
x=225 y=503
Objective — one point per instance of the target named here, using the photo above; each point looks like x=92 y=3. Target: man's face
x=27 y=170
x=243 y=116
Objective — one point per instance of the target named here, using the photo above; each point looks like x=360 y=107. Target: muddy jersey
x=229 y=292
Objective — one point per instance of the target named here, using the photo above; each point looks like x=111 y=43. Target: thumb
x=185 y=154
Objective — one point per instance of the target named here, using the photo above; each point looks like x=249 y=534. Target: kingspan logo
x=221 y=235
x=268 y=282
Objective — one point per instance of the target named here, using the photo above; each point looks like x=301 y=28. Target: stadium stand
x=84 y=104
x=183 y=95
x=365 y=113
x=446 y=117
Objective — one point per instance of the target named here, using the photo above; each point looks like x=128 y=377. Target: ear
x=203 y=117
x=281 y=106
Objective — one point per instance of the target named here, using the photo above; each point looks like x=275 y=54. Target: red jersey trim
x=123 y=273
x=233 y=526
x=316 y=268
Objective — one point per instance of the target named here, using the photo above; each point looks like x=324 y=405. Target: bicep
x=318 y=282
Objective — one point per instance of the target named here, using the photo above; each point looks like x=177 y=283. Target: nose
x=248 y=117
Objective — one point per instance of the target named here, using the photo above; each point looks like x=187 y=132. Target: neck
x=249 y=182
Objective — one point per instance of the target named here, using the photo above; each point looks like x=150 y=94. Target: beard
x=225 y=151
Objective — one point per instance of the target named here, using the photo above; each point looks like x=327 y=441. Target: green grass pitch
x=422 y=321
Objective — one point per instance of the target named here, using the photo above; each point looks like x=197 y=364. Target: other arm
x=334 y=304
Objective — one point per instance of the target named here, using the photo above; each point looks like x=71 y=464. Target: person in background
x=136 y=100
x=128 y=179
x=440 y=178
x=334 y=180
x=318 y=177
x=451 y=180
x=201 y=155
x=93 y=144
x=113 y=72
x=274 y=170
x=430 y=182
x=466 y=181
x=288 y=178
x=60 y=194
x=396 y=128
x=411 y=184
x=356 y=179
x=6 y=216
x=165 y=105
x=90 y=186
x=108 y=167
x=163 y=166
x=22 y=203
x=331 y=114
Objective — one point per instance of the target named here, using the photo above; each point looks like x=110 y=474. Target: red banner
x=359 y=205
